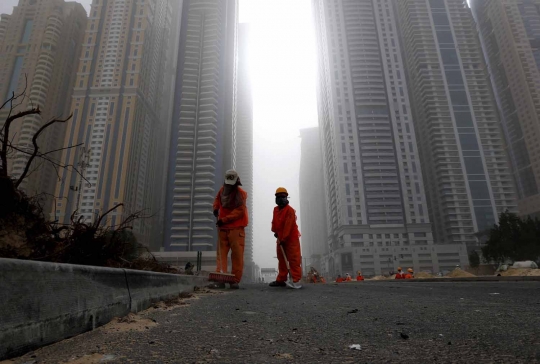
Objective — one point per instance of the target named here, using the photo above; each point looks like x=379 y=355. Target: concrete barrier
x=41 y=303
x=147 y=288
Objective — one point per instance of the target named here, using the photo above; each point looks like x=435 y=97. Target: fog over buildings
x=401 y=129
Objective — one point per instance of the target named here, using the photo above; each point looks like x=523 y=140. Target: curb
x=43 y=302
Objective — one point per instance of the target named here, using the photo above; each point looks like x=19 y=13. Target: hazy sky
x=283 y=74
x=282 y=55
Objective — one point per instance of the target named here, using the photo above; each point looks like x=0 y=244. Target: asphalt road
x=398 y=322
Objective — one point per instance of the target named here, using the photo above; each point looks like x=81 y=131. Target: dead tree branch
x=36 y=147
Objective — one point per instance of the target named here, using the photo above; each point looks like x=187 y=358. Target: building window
x=27 y=31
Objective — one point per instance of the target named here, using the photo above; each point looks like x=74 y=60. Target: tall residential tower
x=39 y=47
x=244 y=140
x=510 y=35
x=312 y=206
x=203 y=137
x=466 y=169
x=116 y=114
x=376 y=205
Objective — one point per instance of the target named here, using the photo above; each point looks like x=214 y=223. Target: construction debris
x=524 y=272
x=459 y=273
x=131 y=322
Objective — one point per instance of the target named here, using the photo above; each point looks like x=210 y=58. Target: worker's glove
x=275 y=236
x=216 y=213
x=220 y=223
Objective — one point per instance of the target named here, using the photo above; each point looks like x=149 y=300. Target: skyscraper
x=376 y=204
x=312 y=203
x=510 y=35
x=203 y=137
x=116 y=114
x=39 y=45
x=467 y=173
x=244 y=139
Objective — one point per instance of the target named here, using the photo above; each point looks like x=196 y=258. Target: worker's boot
x=294 y=285
x=234 y=286
x=277 y=284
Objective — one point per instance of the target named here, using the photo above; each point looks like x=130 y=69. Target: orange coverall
x=231 y=235
x=400 y=275
x=348 y=279
x=408 y=276
x=360 y=278
x=339 y=280
x=284 y=225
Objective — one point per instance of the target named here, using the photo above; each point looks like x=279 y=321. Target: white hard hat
x=231 y=177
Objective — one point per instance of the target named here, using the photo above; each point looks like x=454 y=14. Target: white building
x=373 y=178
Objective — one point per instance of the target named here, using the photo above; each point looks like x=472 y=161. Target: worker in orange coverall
x=400 y=274
x=410 y=274
x=359 y=276
x=231 y=211
x=286 y=231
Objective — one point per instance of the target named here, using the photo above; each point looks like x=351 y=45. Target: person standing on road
x=286 y=231
x=410 y=274
x=400 y=274
x=231 y=211
x=359 y=276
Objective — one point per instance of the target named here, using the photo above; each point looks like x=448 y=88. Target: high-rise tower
x=244 y=138
x=510 y=35
x=467 y=174
x=39 y=48
x=312 y=206
x=203 y=138
x=376 y=204
x=116 y=109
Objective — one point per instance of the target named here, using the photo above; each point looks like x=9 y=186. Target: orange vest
x=235 y=218
x=360 y=278
x=284 y=224
x=339 y=280
x=400 y=275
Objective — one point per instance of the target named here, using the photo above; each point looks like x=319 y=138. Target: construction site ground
x=444 y=322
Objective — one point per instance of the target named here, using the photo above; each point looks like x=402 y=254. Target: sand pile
x=131 y=322
x=378 y=278
x=459 y=273
x=525 y=272
x=423 y=275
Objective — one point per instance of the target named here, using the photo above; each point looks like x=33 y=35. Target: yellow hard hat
x=410 y=270
x=282 y=190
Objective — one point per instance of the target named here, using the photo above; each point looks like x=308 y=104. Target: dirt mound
x=524 y=272
x=423 y=275
x=459 y=273
x=378 y=278
x=131 y=322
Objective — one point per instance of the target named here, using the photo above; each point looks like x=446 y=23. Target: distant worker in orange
x=339 y=279
x=286 y=231
x=400 y=274
x=231 y=211
x=348 y=278
x=322 y=280
x=410 y=274
x=359 y=276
